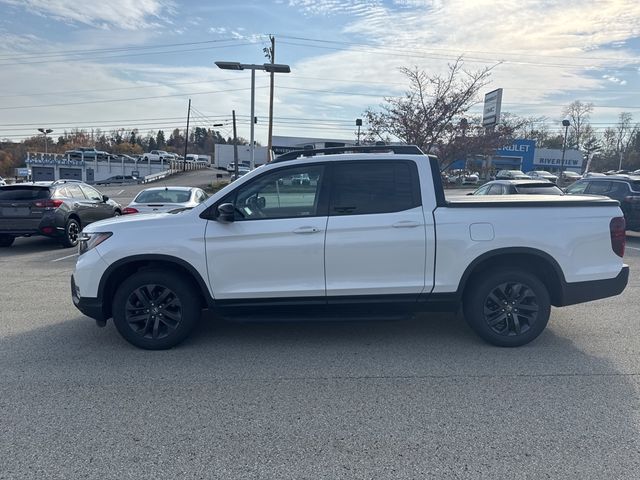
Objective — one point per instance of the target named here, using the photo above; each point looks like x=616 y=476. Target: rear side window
x=360 y=188
x=599 y=188
x=635 y=186
x=75 y=192
x=23 y=193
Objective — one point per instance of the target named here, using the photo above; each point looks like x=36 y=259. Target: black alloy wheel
x=508 y=307
x=155 y=310
x=511 y=309
x=71 y=233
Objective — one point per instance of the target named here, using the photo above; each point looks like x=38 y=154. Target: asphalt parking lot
x=422 y=398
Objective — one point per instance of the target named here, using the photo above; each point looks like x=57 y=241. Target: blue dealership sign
x=525 y=149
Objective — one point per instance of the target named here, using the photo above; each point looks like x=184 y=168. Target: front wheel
x=507 y=307
x=156 y=310
x=71 y=233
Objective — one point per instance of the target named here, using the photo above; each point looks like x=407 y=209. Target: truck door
x=376 y=237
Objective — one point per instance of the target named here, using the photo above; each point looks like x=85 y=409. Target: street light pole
x=565 y=124
x=268 y=67
x=252 y=151
x=45 y=131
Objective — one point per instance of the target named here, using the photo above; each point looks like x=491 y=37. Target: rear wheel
x=508 y=307
x=6 y=240
x=156 y=310
x=71 y=233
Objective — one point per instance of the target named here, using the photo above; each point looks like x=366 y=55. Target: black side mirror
x=226 y=213
x=470 y=193
x=105 y=198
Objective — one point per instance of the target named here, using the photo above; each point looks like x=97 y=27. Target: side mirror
x=226 y=213
x=105 y=198
x=470 y=193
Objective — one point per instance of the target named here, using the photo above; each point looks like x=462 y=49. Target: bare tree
x=625 y=133
x=425 y=114
x=578 y=114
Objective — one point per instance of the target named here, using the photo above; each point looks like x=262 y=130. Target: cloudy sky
x=135 y=63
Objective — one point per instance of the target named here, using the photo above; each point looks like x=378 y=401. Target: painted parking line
x=633 y=248
x=120 y=192
x=64 y=258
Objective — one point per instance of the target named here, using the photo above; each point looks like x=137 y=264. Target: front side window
x=360 y=188
x=91 y=193
x=577 y=188
x=284 y=193
x=599 y=188
x=482 y=190
x=496 y=189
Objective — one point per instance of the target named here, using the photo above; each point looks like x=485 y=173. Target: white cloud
x=334 y=7
x=614 y=79
x=125 y=14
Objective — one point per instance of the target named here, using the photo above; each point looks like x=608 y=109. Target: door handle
x=406 y=224
x=306 y=230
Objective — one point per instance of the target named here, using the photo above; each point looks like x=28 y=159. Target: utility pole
x=186 y=139
x=235 y=146
x=272 y=56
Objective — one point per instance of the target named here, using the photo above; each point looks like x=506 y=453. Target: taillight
x=128 y=210
x=618 y=235
x=48 y=204
x=632 y=199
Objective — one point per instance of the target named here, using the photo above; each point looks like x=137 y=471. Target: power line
x=116 y=49
x=126 y=55
x=501 y=52
x=381 y=51
x=127 y=99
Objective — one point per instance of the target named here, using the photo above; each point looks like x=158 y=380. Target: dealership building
x=524 y=155
x=51 y=166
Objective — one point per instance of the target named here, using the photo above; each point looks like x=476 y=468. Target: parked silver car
x=165 y=199
x=543 y=175
x=515 y=187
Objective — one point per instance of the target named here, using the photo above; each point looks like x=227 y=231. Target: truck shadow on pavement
x=403 y=399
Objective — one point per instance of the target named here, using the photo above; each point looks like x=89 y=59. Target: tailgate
x=19 y=208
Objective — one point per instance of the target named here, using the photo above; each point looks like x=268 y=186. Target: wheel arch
x=124 y=268
x=541 y=264
x=73 y=215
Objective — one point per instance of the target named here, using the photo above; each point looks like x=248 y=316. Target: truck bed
x=525 y=200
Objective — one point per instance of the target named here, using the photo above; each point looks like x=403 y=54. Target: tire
x=117 y=213
x=160 y=326
x=508 y=307
x=71 y=233
x=6 y=240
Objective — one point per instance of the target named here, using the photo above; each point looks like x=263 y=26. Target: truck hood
x=130 y=221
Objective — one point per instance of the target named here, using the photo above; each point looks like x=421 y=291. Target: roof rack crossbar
x=396 y=149
x=65 y=180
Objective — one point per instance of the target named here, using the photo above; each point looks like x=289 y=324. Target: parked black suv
x=624 y=188
x=57 y=209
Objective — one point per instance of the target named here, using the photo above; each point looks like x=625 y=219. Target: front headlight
x=91 y=240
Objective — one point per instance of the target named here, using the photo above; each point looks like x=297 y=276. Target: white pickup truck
x=371 y=235
x=158 y=156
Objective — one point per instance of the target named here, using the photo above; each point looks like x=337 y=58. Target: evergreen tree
x=160 y=141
